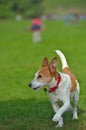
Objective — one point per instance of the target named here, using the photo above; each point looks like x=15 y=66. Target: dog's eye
x=39 y=76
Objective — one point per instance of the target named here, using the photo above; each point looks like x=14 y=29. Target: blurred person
x=76 y=18
x=36 y=28
x=18 y=17
x=72 y=17
x=68 y=18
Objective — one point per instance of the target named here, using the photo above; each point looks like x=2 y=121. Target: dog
x=62 y=86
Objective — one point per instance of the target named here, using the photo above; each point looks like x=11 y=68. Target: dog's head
x=45 y=75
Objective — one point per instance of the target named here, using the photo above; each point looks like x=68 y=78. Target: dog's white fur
x=62 y=93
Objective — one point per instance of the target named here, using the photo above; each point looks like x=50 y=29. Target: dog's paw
x=60 y=123
x=56 y=118
x=75 y=117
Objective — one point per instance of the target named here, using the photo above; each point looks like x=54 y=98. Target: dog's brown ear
x=45 y=62
x=53 y=64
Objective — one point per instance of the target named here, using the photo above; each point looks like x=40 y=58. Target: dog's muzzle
x=35 y=88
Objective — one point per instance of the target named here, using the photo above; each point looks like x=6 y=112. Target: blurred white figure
x=18 y=17
x=36 y=36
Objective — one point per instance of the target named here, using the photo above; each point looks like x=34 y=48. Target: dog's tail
x=63 y=59
x=66 y=70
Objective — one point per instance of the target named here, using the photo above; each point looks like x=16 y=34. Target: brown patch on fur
x=45 y=71
x=46 y=75
x=72 y=77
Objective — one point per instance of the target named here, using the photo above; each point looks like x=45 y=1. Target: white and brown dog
x=62 y=86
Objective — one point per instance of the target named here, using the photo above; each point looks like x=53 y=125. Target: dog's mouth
x=36 y=88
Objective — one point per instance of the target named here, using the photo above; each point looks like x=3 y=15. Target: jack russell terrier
x=62 y=86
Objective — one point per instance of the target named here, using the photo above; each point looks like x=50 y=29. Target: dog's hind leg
x=76 y=99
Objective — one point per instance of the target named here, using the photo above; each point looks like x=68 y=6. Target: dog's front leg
x=55 y=106
x=57 y=116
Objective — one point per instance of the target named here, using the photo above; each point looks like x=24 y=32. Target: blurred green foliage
x=29 y=8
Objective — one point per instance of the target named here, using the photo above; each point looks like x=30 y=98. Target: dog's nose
x=30 y=84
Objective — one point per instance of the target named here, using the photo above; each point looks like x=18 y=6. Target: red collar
x=56 y=86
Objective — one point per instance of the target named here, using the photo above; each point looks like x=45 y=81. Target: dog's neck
x=54 y=84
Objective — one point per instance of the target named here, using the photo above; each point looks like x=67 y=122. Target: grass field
x=21 y=108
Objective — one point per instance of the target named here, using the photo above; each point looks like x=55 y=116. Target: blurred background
x=47 y=9
x=64 y=28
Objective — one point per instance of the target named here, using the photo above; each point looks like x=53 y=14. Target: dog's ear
x=53 y=65
x=45 y=62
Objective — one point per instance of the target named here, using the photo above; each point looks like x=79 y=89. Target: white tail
x=63 y=59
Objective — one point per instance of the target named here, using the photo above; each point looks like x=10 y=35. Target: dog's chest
x=63 y=92
x=58 y=96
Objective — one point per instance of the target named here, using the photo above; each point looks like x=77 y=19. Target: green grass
x=21 y=108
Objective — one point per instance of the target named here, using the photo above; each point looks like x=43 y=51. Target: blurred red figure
x=36 y=28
